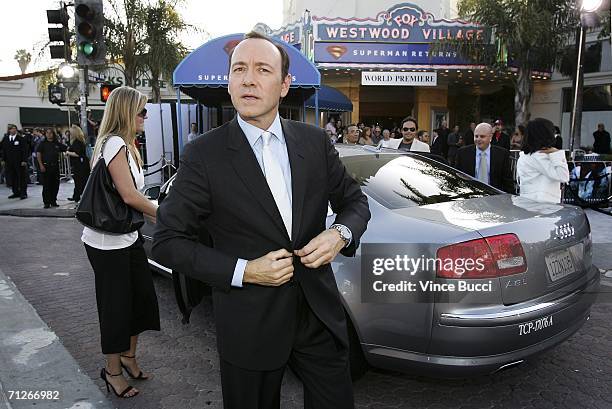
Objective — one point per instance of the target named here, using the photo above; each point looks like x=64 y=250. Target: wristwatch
x=345 y=233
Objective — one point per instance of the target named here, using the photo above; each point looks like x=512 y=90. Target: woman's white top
x=109 y=241
x=540 y=175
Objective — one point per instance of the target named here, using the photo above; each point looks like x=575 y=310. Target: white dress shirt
x=479 y=152
x=253 y=135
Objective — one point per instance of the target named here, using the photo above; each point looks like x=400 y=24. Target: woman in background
x=79 y=163
x=541 y=168
x=423 y=136
x=125 y=295
x=518 y=138
x=366 y=138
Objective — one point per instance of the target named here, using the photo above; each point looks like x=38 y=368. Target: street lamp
x=591 y=6
x=587 y=19
x=66 y=71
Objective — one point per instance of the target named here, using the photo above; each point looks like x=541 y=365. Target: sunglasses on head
x=405 y=129
x=143 y=113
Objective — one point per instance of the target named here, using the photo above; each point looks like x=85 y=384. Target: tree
x=527 y=35
x=23 y=58
x=124 y=36
x=164 y=50
x=143 y=37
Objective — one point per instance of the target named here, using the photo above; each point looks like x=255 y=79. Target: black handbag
x=101 y=206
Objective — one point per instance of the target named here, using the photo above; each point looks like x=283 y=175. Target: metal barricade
x=514 y=155
x=64 y=166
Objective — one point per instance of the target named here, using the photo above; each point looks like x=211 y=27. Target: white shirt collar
x=487 y=151
x=253 y=133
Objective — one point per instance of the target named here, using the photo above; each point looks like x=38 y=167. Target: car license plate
x=535 y=325
x=560 y=264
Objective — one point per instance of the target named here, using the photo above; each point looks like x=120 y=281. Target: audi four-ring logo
x=564 y=231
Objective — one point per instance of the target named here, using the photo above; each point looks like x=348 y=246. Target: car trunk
x=555 y=240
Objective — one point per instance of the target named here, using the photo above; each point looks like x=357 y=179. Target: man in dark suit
x=486 y=162
x=440 y=146
x=260 y=186
x=15 y=153
x=468 y=138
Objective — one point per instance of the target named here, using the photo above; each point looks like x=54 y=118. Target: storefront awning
x=330 y=99
x=203 y=74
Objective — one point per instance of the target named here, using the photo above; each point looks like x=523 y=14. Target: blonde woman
x=125 y=295
x=79 y=163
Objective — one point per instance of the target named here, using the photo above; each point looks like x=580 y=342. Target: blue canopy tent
x=203 y=75
x=330 y=99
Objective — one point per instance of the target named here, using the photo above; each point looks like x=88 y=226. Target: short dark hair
x=284 y=56
x=540 y=134
x=409 y=118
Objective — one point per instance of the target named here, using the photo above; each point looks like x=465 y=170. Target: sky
x=26 y=25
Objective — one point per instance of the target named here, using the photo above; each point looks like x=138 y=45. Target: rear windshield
x=400 y=181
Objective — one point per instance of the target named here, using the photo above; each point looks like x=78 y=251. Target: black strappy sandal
x=140 y=375
x=103 y=375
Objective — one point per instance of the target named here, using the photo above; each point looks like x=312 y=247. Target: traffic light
x=105 y=90
x=57 y=94
x=57 y=34
x=89 y=23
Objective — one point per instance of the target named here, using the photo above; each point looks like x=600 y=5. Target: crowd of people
x=45 y=155
x=39 y=152
x=482 y=150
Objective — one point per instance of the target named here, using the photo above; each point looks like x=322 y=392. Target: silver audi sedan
x=411 y=302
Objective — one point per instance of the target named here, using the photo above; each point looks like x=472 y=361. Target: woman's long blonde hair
x=122 y=106
x=76 y=134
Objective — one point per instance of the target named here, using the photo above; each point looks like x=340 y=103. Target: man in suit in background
x=15 y=154
x=468 y=138
x=500 y=138
x=442 y=144
x=260 y=185
x=486 y=162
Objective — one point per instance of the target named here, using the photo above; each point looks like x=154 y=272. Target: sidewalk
x=34 y=360
x=33 y=205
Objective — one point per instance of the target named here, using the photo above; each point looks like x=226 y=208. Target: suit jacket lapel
x=248 y=169
x=298 y=176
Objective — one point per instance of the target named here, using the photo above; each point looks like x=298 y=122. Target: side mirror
x=152 y=193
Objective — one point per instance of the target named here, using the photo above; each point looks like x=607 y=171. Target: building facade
x=387 y=59
x=554 y=99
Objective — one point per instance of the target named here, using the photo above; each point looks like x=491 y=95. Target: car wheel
x=357 y=361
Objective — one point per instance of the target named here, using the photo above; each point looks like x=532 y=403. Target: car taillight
x=508 y=254
x=490 y=257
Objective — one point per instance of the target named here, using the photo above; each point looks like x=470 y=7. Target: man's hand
x=43 y=169
x=150 y=219
x=273 y=269
x=321 y=250
x=24 y=164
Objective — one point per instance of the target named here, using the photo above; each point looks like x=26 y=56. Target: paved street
x=44 y=257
